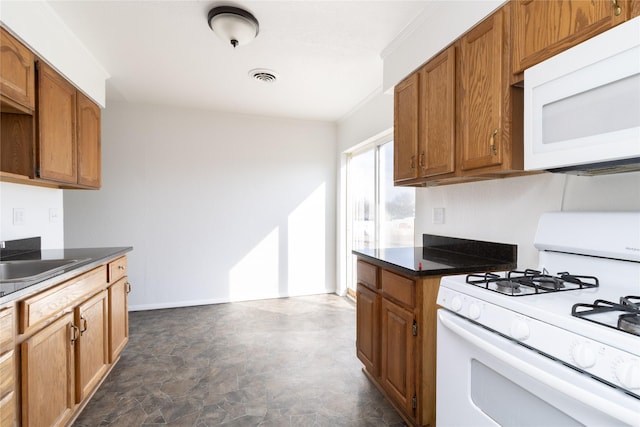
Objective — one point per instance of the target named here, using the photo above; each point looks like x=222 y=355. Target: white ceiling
x=326 y=53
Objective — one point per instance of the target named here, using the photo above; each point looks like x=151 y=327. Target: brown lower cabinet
x=47 y=374
x=396 y=338
x=64 y=341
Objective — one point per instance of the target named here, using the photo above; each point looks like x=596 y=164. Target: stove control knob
x=519 y=330
x=584 y=355
x=456 y=303
x=628 y=373
x=474 y=311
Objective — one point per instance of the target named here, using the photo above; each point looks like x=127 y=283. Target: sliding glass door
x=379 y=214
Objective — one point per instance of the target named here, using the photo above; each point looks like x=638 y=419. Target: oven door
x=484 y=379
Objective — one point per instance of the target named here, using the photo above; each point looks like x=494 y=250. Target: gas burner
x=531 y=282
x=507 y=287
x=629 y=323
x=626 y=314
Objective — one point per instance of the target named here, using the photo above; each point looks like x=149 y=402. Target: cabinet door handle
x=421 y=162
x=74 y=333
x=121 y=267
x=492 y=142
x=617 y=10
x=128 y=287
x=413 y=162
x=83 y=325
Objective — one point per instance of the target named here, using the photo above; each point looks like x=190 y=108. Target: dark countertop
x=441 y=255
x=91 y=258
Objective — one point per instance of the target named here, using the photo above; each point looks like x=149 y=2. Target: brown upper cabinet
x=50 y=131
x=469 y=124
x=56 y=123
x=17 y=75
x=544 y=28
x=424 y=121
x=436 y=155
x=88 y=140
x=490 y=109
x=405 y=129
x=68 y=132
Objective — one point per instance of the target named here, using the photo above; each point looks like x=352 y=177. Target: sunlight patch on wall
x=256 y=276
x=306 y=245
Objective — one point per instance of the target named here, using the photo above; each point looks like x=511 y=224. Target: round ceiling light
x=232 y=24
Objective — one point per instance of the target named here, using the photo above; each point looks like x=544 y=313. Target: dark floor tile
x=282 y=362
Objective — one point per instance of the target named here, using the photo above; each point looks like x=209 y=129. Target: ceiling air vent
x=266 y=76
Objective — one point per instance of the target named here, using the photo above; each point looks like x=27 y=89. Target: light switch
x=438 y=215
x=18 y=216
x=53 y=215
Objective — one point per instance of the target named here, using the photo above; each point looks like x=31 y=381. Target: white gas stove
x=580 y=308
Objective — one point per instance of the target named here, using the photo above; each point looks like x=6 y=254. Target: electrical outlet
x=438 y=215
x=18 y=216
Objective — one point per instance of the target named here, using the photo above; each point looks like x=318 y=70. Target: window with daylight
x=379 y=214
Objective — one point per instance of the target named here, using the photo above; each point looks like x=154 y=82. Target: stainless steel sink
x=25 y=270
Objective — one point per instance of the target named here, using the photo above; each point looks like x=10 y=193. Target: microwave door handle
x=615 y=411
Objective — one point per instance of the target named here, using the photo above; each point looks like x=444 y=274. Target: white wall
x=218 y=207
x=441 y=23
x=43 y=214
x=508 y=210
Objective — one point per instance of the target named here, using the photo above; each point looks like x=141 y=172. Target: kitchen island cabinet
x=396 y=314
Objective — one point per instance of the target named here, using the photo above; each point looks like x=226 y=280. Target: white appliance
x=582 y=106
x=545 y=347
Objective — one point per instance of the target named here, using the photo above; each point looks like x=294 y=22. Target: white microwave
x=582 y=106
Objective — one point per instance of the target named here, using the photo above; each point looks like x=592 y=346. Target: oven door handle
x=626 y=415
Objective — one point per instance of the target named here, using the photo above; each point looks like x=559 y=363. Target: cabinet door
x=47 y=375
x=91 y=348
x=368 y=329
x=405 y=118
x=88 y=115
x=482 y=94
x=544 y=28
x=438 y=115
x=398 y=355
x=56 y=127
x=118 y=318
x=17 y=74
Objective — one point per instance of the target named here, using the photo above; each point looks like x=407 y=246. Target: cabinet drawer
x=44 y=305
x=7 y=411
x=6 y=374
x=117 y=269
x=6 y=329
x=368 y=275
x=399 y=288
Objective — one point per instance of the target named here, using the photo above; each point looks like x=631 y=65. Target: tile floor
x=281 y=362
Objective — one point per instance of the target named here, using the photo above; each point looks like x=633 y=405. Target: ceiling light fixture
x=233 y=24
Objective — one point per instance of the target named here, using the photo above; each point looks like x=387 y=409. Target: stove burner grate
x=531 y=282
x=628 y=311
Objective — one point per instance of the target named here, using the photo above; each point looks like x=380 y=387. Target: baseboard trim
x=195 y=303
